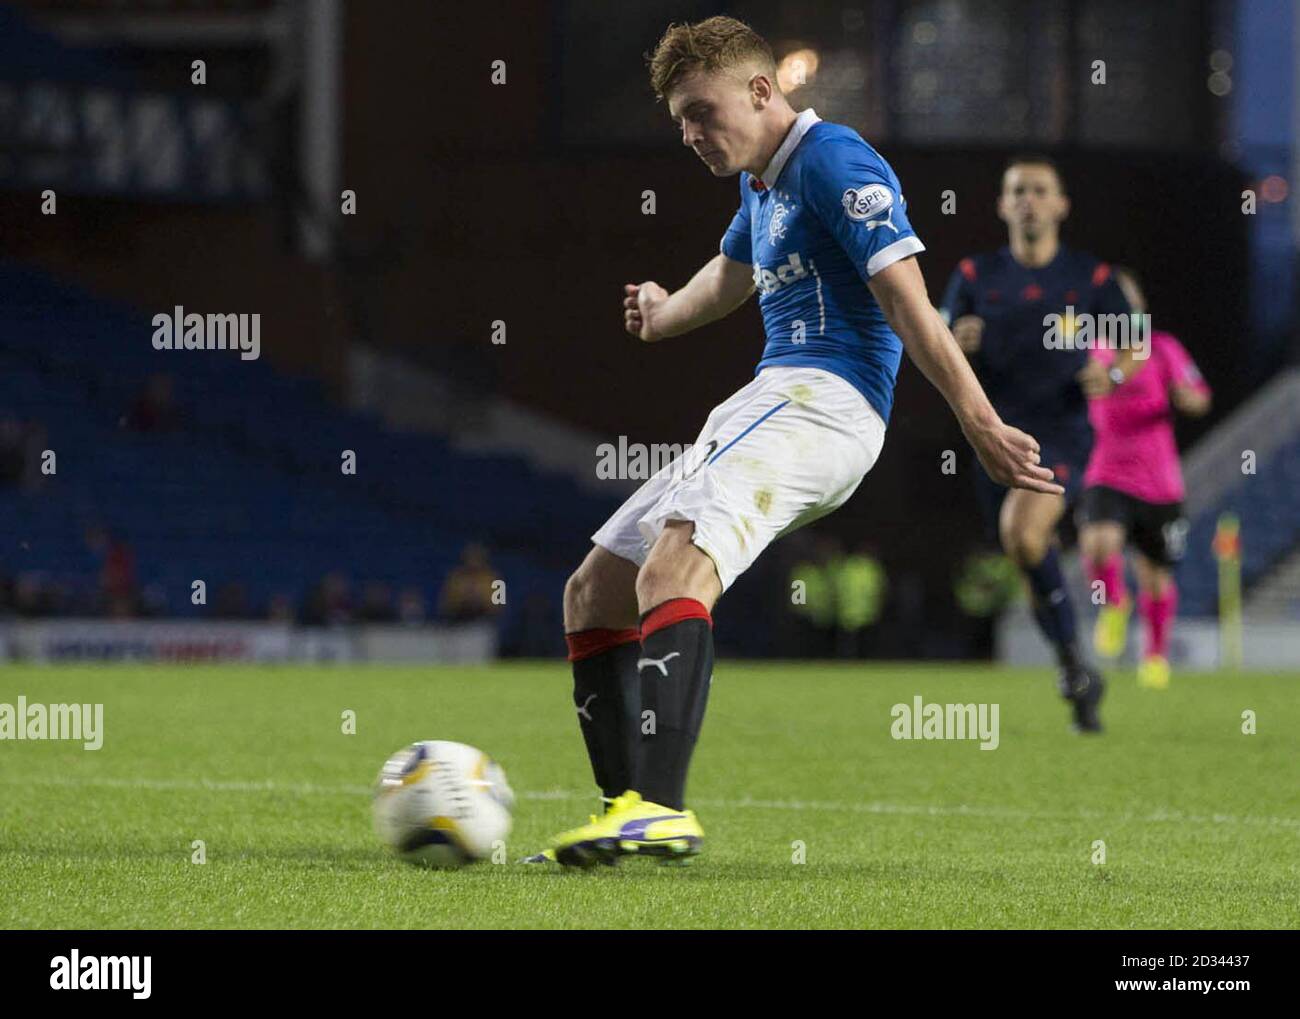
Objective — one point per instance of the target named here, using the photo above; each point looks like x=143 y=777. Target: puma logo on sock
x=641 y=663
x=582 y=708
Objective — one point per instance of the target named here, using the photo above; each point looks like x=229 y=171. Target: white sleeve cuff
x=891 y=253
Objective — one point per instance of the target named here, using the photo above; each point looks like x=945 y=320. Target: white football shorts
x=789 y=447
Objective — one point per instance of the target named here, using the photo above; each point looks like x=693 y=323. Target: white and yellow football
x=443 y=804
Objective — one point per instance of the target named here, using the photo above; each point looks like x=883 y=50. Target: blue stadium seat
x=249 y=488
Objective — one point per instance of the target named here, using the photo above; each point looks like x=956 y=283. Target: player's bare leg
x=1101 y=540
x=1157 y=605
x=1027 y=527
x=1102 y=545
x=601 y=593
x=676 y=568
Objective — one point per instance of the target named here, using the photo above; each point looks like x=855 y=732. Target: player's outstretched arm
x=1009 y=455
x=650 y=313
x=1189 y=399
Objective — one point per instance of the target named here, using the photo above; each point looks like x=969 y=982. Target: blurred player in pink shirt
x=1134 y=487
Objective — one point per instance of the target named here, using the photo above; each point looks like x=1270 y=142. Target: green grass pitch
x=1201 y=823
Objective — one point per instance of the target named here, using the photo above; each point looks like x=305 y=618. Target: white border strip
x=1158 y=815
x=892 y=253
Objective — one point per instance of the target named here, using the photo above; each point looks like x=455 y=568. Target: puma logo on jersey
x=887 y=221
x=770 y=280
x=658 y=663
x=582 y=708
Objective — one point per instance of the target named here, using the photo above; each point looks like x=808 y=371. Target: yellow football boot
x=1153 y=673
x=1111 y=632
x=631 y=827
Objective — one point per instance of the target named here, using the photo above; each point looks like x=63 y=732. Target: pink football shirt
x=1133 y=427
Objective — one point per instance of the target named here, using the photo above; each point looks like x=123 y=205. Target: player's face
x=1032 y=202
x=717 y=119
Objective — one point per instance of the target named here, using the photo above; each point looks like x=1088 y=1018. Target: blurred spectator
x=13 y=451
x=232 y=602
x=377 y=603
x=410 y=606
x=985 y=584
x=36 y=440
x=117 y=579
x=860 y=589
x=538 y=632
x=812 y=597
x=467 y=591
x=280 y=609
x=153 y=601
x=330 y=603
x=912 y=622
x=155 y=408
x=34 y=596
x=21 y=446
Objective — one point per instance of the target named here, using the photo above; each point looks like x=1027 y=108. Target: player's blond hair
x=714 y=44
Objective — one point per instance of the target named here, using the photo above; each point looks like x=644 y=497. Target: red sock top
x=586 y=643
x=674 y=610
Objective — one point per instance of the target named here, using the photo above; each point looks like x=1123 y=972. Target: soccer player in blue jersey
x=822 y=233
x=999 y=305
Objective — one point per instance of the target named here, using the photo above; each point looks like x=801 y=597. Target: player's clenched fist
x=967 y=331
x=1011 y=457
x=639 y=304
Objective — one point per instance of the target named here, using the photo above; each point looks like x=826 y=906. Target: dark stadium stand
x=245 y=484
x=1267 y=504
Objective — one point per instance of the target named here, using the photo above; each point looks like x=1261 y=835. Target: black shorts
x=1157 y=529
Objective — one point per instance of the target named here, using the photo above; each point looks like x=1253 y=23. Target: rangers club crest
x=776 y=228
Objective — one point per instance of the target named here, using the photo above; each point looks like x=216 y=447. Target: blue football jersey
x=825 y=216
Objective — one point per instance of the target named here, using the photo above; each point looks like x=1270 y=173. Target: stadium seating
x=248 y=486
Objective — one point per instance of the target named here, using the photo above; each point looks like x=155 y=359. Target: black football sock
x=1053 y=610
x=607 y=694
x=676 y=667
